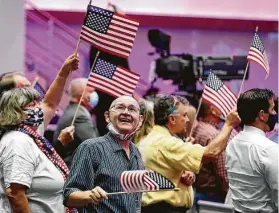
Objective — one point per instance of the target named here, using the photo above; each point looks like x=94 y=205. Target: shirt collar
x=115 y=145
x=253 y=129
x=161 y=129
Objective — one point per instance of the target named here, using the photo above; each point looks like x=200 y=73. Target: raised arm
x=219 y=144
x=56 y=89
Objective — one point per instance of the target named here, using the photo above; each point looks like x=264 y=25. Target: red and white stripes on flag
x=218 y=94
x=112 y=79
x=108 y=31
x=257 y=53
x=137 y=180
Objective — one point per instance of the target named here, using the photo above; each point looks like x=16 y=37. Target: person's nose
x=126 y=111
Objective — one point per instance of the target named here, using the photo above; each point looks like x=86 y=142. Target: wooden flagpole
x=77 y=46
x=85 y=88
x=160 y=190
x=242 y=82
x=245 y=73
x=196 y=116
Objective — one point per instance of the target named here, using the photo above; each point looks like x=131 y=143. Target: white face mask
x=122 y=137
x=93 y=99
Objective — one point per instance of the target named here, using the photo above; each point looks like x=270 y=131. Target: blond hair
x=146 y=110
x=12 y=103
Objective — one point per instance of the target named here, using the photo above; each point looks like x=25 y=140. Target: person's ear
x=141 y=119
x=106 y=114
x=171 y=119
x=261 y=115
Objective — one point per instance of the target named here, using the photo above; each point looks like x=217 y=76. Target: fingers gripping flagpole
x=73 y=121
x=245 y=73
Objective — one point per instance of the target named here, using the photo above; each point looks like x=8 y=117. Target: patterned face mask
x=35 y=117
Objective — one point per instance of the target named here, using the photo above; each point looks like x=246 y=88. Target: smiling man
x=99 y=162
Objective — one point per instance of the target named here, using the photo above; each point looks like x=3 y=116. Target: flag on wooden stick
x=112 y=79
x=143 y=180
x=257 y=53
x=218 y=94
x=109 y=31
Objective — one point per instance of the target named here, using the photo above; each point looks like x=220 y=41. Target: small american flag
x=143 y=180
x=218 y=94
x=40 y=89
x=108 y=31
x=257 y=53
x=112 y=79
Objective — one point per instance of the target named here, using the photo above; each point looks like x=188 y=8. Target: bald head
x=77 y=86
x=124 y=99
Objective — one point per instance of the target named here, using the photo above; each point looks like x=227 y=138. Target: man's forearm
x=78 y=199
x=218 y=144
x=55 y=91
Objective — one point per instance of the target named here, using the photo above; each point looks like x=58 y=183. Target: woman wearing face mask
x=32 y=174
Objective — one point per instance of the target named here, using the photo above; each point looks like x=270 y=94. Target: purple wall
x=193 y=41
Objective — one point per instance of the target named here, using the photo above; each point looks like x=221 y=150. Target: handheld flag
x=109 y=31
x=143 y=180
x=218 y=94
x=112 y=79
x=257 y=53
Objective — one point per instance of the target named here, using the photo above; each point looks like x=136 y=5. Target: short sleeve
x=18 y=161
x=184 y=156
x=81 y=177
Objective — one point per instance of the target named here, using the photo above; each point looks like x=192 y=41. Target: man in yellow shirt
x=162 y=151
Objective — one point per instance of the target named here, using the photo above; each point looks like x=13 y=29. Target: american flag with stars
x=143 y=180
x=108 y=31
x=218 y=94
x=257 y=53
x=112 y=79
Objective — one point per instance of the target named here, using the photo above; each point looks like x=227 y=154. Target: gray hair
x=77 y=86
x=12 y=103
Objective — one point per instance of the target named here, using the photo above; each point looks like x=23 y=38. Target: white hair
x=77 y=86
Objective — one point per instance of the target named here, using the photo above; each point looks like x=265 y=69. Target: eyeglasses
x=122 y=108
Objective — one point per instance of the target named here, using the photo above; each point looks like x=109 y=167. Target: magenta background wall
x=193 y=41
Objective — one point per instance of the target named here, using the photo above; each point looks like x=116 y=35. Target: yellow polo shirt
x=170 y=156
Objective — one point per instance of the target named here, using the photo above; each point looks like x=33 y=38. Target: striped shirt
x=100 y=162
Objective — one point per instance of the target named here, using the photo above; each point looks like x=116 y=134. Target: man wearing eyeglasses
x=162 y=151
x=99 y=162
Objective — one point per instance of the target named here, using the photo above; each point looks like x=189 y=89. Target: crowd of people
x=78 y=169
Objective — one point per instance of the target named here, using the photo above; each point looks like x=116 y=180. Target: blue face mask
x=93 y=99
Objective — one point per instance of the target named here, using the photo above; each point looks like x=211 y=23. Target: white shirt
x=21 y=161
x=252 y=165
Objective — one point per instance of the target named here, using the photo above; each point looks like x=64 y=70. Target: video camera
x=186 y=69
